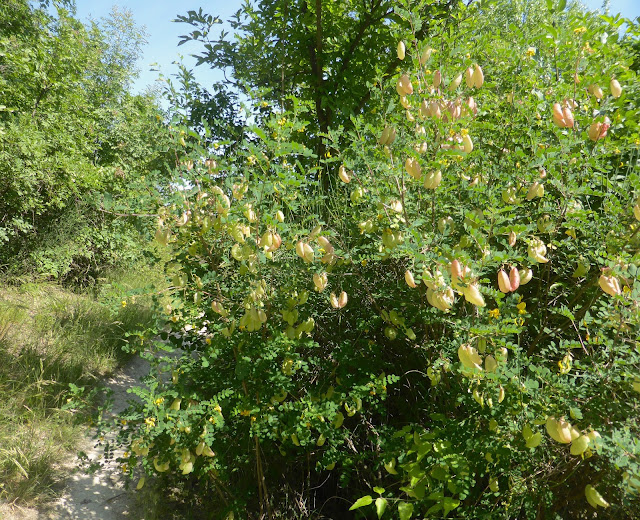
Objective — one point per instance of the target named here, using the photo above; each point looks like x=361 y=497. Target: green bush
x=410 y=372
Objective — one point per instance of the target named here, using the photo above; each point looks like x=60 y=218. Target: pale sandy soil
x=101 y=494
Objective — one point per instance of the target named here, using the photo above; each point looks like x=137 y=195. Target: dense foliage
x=420 y=305
x=71 y=136
x=320 y=52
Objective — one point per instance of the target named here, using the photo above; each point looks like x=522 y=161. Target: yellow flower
x=580 y=30
x=124 y=303
x=160 y=400
x=531 y=51
x=494 y=313
x=522 y=308
x=565 y=364
x=150 y=421
x=245 y=413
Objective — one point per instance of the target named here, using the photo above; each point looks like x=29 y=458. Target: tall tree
x=326 y=53
x=70 y=133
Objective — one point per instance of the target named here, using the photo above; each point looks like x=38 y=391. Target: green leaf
x=361 y=502
x=379 y=490
x=449 y=504
x=381 y=506
x=405 y=509
x=561 y=5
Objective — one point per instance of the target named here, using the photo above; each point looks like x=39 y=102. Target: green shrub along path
x=422 y=302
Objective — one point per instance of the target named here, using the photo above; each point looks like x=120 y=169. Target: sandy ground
x=99 y=495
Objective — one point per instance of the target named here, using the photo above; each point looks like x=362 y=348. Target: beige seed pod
x=503 y=282
x=456 y=270
x=469 y=357
x=568 y=117
x=512 y=238
x=472 y=295
x=433 y=179
x=426 y=54
x=514 y=278
x=609 y=284
x=490 y=364
x=467 y=143
x=424 y=111
x=401 y=50
x=437 y=78
x=533 y=191
x=525 y=276
x=308 y=253
x=343 y=174
x=468 y=77
x=320 y=281
x=557 y=111
x=412 y=166
x=455 y=83
x=616 y=89
x=404 y=86
x=597 y=92
x=478 y=77
x=408 y=277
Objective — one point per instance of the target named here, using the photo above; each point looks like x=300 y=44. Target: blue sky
x=163 y=34
x=156 y=16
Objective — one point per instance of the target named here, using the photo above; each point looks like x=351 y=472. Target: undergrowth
x=56 y=344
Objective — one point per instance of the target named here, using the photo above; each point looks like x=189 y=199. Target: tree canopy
x=70 y=132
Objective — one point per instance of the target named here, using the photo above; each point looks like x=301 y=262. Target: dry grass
x=51 y=338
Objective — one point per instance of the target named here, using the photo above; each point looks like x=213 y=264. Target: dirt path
x=101 y=495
